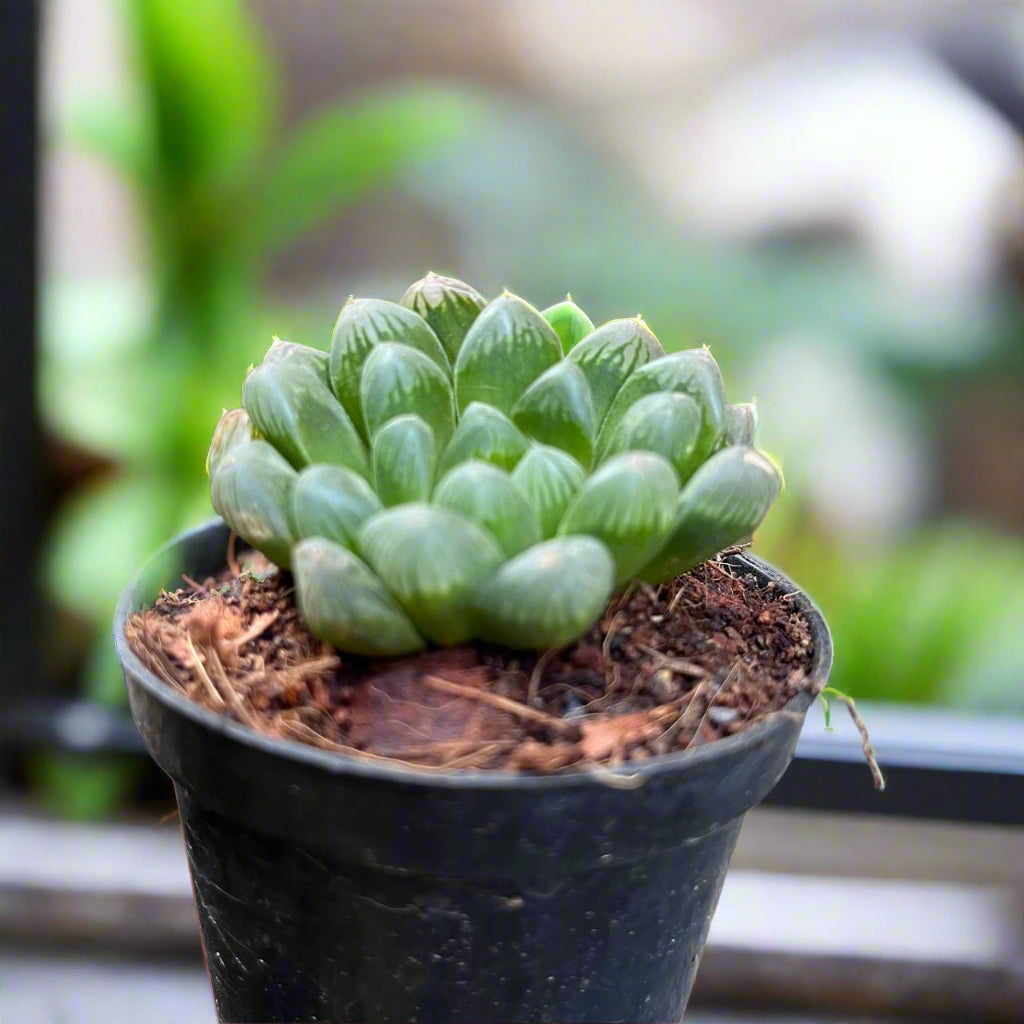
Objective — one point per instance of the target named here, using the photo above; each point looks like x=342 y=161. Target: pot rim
x=335 y=763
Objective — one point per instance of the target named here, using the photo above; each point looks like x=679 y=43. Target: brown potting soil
x=666 y=668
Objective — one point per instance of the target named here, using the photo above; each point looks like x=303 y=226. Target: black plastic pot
x=333 y=889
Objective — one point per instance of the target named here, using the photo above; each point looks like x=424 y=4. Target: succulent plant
x=457 y=469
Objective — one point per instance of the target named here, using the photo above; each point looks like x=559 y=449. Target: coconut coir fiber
x=665 y=668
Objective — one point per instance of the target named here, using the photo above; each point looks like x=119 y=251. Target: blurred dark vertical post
x=20 y=480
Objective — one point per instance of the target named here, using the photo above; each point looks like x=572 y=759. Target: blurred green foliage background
x=227 y=180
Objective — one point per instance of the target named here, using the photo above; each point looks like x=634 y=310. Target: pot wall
x=290 y=935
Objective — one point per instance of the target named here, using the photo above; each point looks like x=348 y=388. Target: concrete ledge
x=782 y=936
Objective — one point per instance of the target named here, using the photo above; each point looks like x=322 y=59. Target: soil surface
x=666 y=668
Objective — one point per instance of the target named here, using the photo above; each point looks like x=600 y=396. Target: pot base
x=290 y=936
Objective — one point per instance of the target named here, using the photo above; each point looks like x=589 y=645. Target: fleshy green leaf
x=342 y=152
x=508 y=347
x=432 y=561
x=332 y=502
x=556 y=409
x=609 y=355
x=487 y=496
x=512 y=469
x=252 y=492
x=720 y=505
x=399 y=380
x=547 y=596
x=314 y=359
x=629 y=504
x=485 y=434
x=404 y=457
x=741 y=424
x=693 y=372
x=571 y=324
x=668 y=423
x=549 y=478
x=450 y=307
x=293 y=408
x=233 y=429
x=342 y=601
x=361 y=325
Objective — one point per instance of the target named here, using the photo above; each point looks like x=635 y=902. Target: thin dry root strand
x=302 y=669
x=680 y=665
x=259 y=626
x=194 y=585
x=513 y=707
x=865 y=739
x=203 y=676
x=686 y=718
x=466 y=755
x=537 y=674
x=143 y=639
x=457 y=749
x=718 y=689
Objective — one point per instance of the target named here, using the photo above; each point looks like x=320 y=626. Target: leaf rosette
x=456 y=469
